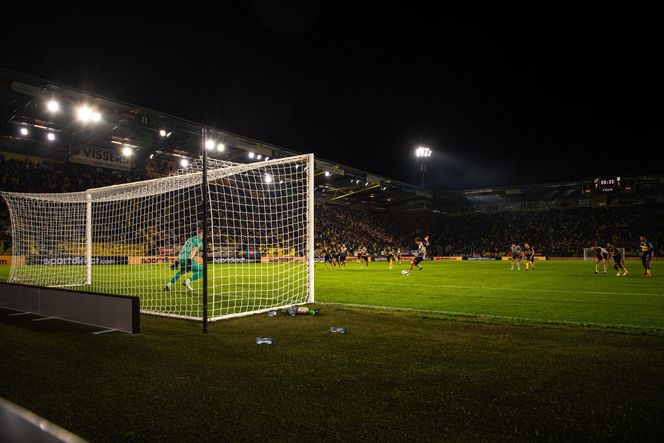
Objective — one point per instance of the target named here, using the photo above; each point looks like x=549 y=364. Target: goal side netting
x=136 y=238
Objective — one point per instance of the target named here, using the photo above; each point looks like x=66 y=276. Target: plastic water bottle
x=264 y=341
x=272 y=314
x=292 y=311
x=338 y=330
x=314 y=311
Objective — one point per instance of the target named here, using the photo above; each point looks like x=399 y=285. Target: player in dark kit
x=388 y=253
x=421 y=254
x=327 y=257
x=601 y=255
x=646 y=251
x=334 y=255
x=529 y=256
x=363 y=256
x=618 y=259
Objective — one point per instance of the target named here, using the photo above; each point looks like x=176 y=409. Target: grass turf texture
x=394 y=377
x=557 y=291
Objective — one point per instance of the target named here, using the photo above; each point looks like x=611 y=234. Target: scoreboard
x=607 y=184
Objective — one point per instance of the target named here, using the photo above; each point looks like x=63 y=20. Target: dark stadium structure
x=44 y=151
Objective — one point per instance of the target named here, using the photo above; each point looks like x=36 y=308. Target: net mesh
x=141 y=239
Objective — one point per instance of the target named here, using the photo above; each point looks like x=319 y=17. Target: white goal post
x=136 y=238
x=589 y=254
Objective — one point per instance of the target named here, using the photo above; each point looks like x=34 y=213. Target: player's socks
x=187 y=284
x=167 y=288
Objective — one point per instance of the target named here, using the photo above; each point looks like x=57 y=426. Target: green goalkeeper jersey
x=190 y=244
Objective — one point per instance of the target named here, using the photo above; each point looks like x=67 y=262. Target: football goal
x=143 y=239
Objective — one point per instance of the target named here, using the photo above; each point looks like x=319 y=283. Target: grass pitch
x=398 y=375
x=556 y=292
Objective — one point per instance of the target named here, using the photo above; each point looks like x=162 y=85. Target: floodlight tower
x=423 y=153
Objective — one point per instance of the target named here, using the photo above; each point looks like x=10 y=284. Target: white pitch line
x=496 y=317
x=42 y=319
x=562 y=291
x=19 y=313
x=104 y=331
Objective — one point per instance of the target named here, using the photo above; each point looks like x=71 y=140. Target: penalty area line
x=496 y=317
x=484 y=288
x=104 y=331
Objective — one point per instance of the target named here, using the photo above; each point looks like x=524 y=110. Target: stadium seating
x=553 y=232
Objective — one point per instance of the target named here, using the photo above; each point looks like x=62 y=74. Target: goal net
x=136 y=238
x=591 y=254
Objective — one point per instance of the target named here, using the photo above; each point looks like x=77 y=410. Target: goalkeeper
x=188 y=261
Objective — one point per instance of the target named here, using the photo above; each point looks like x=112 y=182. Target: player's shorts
x=602 y=256
x=390 y=257
x=342 y=257
x=515 y=256
x=618 y=258
x=184 y=265
x=530 y=258
x=328 y=258
x=417 y=260
x=646 y=258
x=364 y=257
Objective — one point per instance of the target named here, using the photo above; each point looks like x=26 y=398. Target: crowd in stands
x=563 y=232
x=354 y=227
x=33 y=176
x=29 y=176
x=553 y=232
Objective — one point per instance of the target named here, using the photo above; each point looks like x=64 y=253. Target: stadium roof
x=112 y=126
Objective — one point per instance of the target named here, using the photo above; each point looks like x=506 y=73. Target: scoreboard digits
x=607 y=184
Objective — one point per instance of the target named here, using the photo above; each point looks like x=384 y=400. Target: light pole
x=422 y=153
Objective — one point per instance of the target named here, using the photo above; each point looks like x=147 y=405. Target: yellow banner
x=6 y=260
x=105 y=249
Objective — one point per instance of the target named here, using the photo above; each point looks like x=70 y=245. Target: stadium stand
x=354 y=207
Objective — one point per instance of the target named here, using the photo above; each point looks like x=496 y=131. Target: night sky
x=501 y=96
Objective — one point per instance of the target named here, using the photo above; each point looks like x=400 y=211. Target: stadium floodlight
x=53 y=106
x=210 y=144
x=162 y=132
x=267 y=158
x=184 y=162
x=327 y=173
x=50 y=136
x=87 y=114
x=251 y=155
x=24 y=131
x=221 y=147
x=127 y=151
x=258 y=157
x=422 y=151
x=151 y=156
x=260 y=244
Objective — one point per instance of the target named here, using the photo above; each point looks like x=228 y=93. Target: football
x=404 y=272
